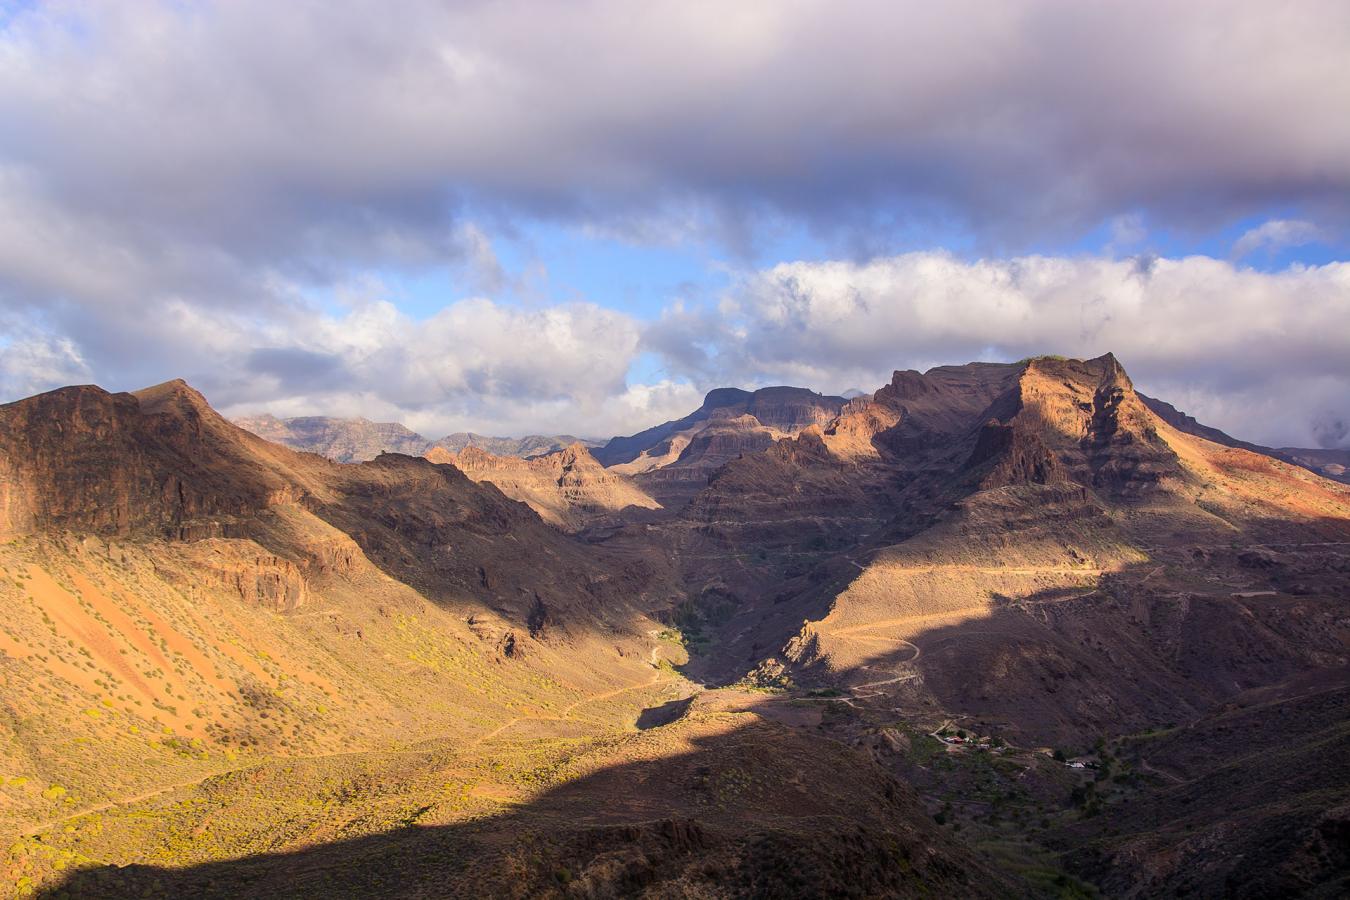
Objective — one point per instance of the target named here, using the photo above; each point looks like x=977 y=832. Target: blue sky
x=516 y=217
x=643 y=278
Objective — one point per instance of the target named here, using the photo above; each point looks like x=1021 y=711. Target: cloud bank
x=1262 y=355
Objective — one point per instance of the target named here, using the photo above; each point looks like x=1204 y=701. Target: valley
x=994 y=629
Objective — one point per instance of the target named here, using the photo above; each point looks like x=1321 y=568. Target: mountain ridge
x=360 y=440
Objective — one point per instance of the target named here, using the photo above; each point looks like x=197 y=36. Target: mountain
x=672 y=461
x=990 y=630
x=359 y=440
x=1028 y=551
x=566 y=487
x=530 y=445
x=1047 y=465
x=1333 y=463
x=343 y=440
x=786 y=409
x=1329 y=463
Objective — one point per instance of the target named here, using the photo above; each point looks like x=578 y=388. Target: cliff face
x=1088 y=414
x=1047 y=467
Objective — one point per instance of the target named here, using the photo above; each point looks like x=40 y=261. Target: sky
x=514 y=218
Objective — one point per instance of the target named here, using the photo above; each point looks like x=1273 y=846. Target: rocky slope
x=567 y=487
x=981 y=480
x=174 y=582
x=1329 y=463
x=269 y=666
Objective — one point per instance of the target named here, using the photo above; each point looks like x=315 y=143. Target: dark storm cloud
x=294 y=134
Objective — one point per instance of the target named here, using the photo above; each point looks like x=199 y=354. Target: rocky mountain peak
x=719 y=398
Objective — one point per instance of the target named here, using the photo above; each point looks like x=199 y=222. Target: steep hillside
x=1028 y=551
x=979 y=489
x=179 y=592
x=567 y=487
x=250 y=671
x=1329 y=463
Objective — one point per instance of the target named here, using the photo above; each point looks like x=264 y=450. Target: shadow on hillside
x=757 y=810
x=657 y=716
x=1160 y=642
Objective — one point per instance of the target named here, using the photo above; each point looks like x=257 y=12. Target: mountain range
x=991 y=630
x=358 y=440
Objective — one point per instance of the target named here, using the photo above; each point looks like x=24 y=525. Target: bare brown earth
x=853 y=657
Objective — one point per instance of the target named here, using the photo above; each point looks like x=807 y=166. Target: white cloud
x=1276 y=235
x=36 y=362
x=475 y=363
